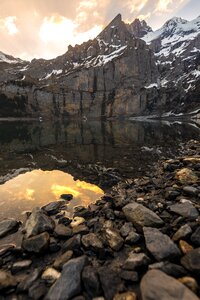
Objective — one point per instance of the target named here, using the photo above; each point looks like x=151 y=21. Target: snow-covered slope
x=4 y=58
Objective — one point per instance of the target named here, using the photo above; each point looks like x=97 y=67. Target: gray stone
x=36 y=244
x=141 y=216
x=129 y=275
x=8 y=226
x=195 y=238
x=73 y=243
x=191 y=261
x=91 y=281
x=190 y=190
x=157 y=285
x=126 y=229
x=37 y=290
x=159 y=244
x=38 y=222
x=183 y=232
x=69 y=283
x=28 y=282
x=186 y=210
x=132 y=238
x=91 y=240
x=136 y=260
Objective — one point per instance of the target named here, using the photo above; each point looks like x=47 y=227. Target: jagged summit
x=139 y=28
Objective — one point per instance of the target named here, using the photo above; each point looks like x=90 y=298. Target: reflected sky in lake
x=37 y=188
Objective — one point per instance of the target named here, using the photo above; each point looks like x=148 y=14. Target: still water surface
x=39 y=149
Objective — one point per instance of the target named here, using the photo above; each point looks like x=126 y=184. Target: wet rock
x=190 y=190
x=159 y=244
x=157 y=285
x=141 y=216
x=6 y=280
x=110 y=281
x=36 y=244
x=169 y=268
x=185 y=247
x=129 y=275
x=183 y=232
x=190 y=283
x=91 y=240
x=38 y=222
x=28 y=282
x=195 y=238
x=136 y=260
x=69 y=283
x=50 y=275
x=53 y=207
x=61 y=231
x=61 y=260
x=8 y=226
x=113 y=238
x=186 y=210
x=66 y=197
x=191 y=261
x=21 y=265
x=186 y=176
x=91 y=282
x=37 y=290
x=125 y=296
x=72 y=243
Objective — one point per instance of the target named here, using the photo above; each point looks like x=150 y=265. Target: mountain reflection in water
x=37 y=188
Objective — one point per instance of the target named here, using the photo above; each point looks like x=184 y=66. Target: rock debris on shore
x=140 y=241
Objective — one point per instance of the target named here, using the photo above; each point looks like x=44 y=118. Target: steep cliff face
x=128 y=70
x=104 y=77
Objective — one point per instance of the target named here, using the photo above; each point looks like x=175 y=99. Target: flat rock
x=157 y=285
x=91 y=240
x=191 y=261
x=186 y=210
x=141 y=216
x=8 y=226
x=53 y=207
x=190 y=190
x=195 y=238
x=69 y=283
x=169 y=268
x=183 y=232
x=62 y=259
x=136 y=260
x=6 y=280
x=62 y=231
x=36 y=244
x=21 y=265
x=159 y=244
x=72 y=243
x=38 y=222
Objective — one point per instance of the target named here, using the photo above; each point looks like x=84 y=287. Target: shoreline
x=142 y=238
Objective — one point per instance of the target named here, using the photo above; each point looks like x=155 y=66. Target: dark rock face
x=157 y=285
x=69 y=284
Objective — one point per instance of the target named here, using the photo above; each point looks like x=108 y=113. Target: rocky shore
x=140 y=241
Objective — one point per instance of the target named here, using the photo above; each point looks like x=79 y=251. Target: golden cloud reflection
x=37 y=188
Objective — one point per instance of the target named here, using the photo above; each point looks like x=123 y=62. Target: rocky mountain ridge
x=118 y=74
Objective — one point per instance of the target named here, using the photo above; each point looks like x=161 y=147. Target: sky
x=45 y=28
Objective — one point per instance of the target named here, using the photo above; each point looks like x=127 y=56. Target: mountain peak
x=139 y=28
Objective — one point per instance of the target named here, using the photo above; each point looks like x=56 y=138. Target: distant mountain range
x=127 y=70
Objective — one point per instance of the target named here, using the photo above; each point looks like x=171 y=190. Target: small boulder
x=36 y=244
x=67 y=197
x=159 y=244
x=6 y=280
x=61 y=231
x=195 y=238
x=8 y=226
x=53 y=207
x=61 y=260
x=21 y=265
x=191 y=261
x=50 y=275
x=141 y=216
x=91 y=240
x=183 y=232
x=186 y=210
x=136 y=260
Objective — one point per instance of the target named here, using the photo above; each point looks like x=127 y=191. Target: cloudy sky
x=45 y=28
